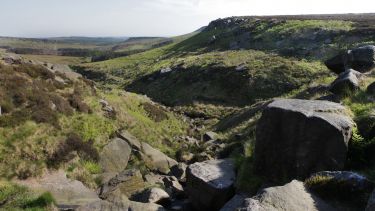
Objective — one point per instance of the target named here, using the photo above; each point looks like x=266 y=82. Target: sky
x=51 y=18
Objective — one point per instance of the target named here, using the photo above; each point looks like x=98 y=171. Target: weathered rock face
x=296 y=138
x=210 y=183
x=157 y=160
x=347 y=82
x=115 y=156
x=361 y=59
x=292 y=197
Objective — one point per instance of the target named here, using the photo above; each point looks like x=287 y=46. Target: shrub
x=45 y=115
x=62 y=105
x=76 y=102
x=74 y=142
x=154 y=112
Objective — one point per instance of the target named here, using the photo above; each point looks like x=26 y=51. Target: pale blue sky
x=46 y=18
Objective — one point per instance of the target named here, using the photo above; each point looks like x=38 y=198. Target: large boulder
x=210 y=184
x=291 y=197
x=156 y=160
x=338 y=63
x=115 y=156
x=361 y=59
x=295 y=138
x=347 y=82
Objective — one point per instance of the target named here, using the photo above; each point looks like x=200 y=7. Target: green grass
x=299 y=26
x=66 y=60
x=15 y=197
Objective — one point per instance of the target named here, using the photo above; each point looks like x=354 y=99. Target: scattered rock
x=348 y=188
x=172 y=186
x=241 y=68
x=165 y=70
x=69 y=194
x=127 y=182
x=208 y=136
x=157 y=160
x=115 y=156
x=361 y=59
x=120 y=205
x=234 y=203
x=203 y=156
x=153 y=195
x=347 y=82
x=210 y=184
x=179 y=171
x=296 y=138
x=292 y=197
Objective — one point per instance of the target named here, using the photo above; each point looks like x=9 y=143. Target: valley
x=247 y=113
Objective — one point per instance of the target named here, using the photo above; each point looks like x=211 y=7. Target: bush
x=73 y=143
x=76 y=102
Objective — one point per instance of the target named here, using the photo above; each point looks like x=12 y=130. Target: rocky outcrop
x=347 y=82
x=295 y=138
x=292 y=197
x=210 y=184
x=361 y=59
x=156 y=160
x=115 y=156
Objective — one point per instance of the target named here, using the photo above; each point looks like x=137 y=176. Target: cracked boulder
x=295 y=138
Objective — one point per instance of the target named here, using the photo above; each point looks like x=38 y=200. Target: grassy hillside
x=43 y=112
